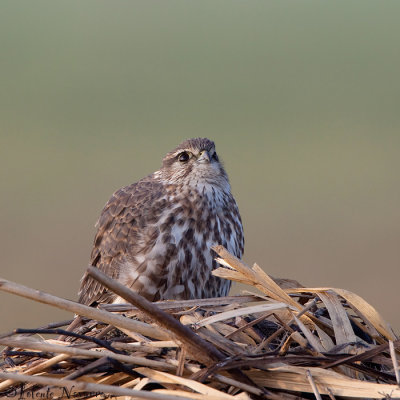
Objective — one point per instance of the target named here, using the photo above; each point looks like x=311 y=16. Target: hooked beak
x=204 y=156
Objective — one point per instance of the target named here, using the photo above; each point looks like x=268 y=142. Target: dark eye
x=215 y=157
x=183 y=157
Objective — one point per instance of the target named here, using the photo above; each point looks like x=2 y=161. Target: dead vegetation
x=290 y=342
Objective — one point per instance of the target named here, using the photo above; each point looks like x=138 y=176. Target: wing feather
x=121 y=225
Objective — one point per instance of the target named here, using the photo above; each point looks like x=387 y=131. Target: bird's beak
x=204 y=156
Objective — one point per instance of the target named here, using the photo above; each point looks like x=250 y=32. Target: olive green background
x=301 y=97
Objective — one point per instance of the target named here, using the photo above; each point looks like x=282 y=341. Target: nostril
x=204 y=155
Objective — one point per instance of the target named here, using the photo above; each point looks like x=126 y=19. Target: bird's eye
x=184 y=156
x=215 y=157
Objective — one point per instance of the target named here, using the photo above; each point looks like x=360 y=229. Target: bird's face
x=194 y=162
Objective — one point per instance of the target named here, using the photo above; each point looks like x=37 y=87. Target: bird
x=155 y=236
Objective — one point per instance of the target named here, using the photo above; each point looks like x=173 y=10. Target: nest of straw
x=289 y=342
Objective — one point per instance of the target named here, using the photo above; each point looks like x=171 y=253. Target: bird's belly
x=188 y=274
x=180 y=263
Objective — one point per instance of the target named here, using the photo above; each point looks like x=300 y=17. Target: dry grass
x=288 y=342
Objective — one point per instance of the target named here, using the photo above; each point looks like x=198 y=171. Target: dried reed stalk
x=194 y=345
x=80 y=309
x=74 y=386
x=320 y=341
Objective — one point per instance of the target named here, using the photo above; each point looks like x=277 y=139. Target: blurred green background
x=301 y=97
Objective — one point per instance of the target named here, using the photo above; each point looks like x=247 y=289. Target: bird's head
x=195 y=162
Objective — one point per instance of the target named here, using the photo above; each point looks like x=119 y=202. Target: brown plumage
x=155 y=235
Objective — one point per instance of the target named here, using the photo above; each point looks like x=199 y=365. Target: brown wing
x=122 y=223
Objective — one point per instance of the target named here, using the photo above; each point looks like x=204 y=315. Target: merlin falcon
x=155 y=235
